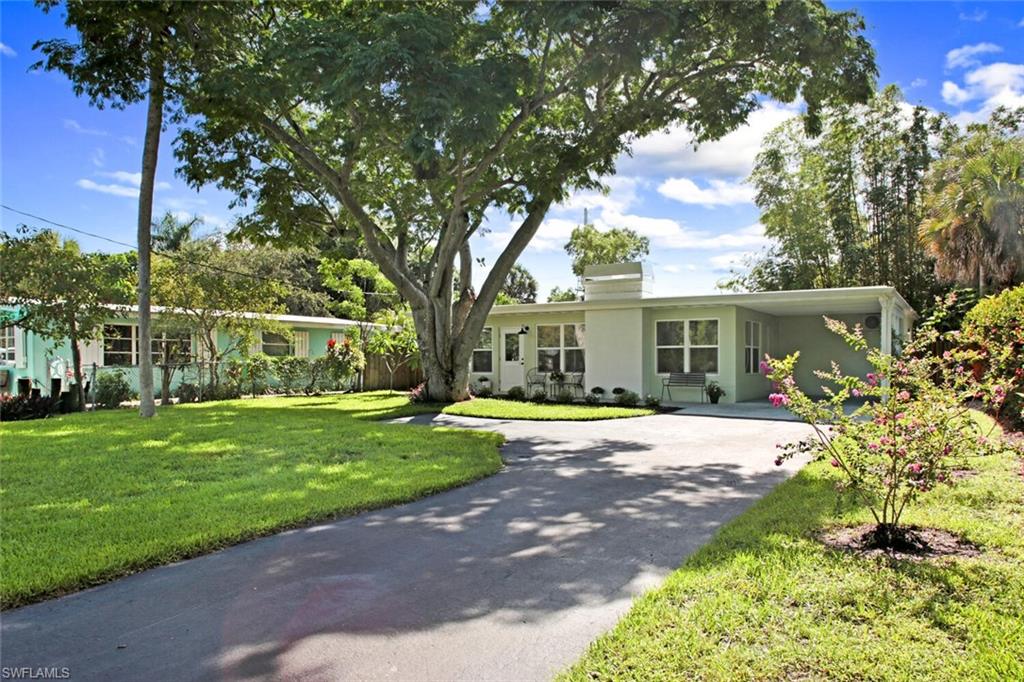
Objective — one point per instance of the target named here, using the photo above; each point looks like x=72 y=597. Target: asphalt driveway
x=506 y=579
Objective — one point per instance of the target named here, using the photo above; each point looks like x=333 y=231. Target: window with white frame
x=172 y=346
x=686 y=346
x=483 y=356
x=752 y=347
x=560 y=347
x=8 y=345
x=119 y=345
x=277 y=345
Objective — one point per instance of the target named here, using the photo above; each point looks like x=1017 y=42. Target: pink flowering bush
x=910 y=433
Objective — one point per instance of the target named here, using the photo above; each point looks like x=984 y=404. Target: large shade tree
x=408 y=121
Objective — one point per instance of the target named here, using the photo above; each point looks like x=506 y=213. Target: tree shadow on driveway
x=508 y=577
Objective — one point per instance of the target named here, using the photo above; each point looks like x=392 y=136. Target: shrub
x=627 y=398
x=516 y=393
x=483 y=391
x=341 y=361
x=187 y=392
x=255 y=372
x=592 y=399
x=291 y=372
x=597 y=391
x=418 y=394
x=909 y=436
x=618 y=390
x=112 y=389
x=223 y=391
x=565 y=396
x=539 y=396
x=21 y=407
x=992 y=345
x=652 y=402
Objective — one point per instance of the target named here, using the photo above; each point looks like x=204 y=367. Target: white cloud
x=620 y=196
x=670 y=234
x=672 y=151
x=181 y=203
x=718 y=193
x=976 y=16
x=129 y=178
x=7 y=51
x=98 y=157
x=116 y=190
x=992 y=85
x=954 y=94
x=74 y=126
x=919 y=82
x=733 y=259
x=966 y=56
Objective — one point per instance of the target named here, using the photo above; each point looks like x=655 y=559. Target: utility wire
x=178 y=257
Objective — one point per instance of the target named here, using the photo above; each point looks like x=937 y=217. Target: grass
x=90 y=497
x=766 y=601
x=497 y=408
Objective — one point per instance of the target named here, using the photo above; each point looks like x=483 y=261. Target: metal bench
x=685 y=380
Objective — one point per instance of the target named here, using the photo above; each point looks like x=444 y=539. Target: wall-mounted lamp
x=524 y=330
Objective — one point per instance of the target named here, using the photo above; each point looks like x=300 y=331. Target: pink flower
x=915 y=467
x=778 y=399
x=872 y=446
x=872 y=378
x=855 y=393
x=835 y=462
x=903 y=395
x=765 y=368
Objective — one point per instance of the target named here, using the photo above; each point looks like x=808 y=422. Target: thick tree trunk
x=150 y=149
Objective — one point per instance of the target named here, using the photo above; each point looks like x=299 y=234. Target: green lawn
x=89 y=497
x=766 y=601
x=496 y=408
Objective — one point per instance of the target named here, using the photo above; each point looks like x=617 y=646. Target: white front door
x=512 y=371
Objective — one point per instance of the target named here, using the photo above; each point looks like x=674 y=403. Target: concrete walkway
x=506 y=579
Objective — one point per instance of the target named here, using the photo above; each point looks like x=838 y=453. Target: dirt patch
x=915 y=544
x=962 y=474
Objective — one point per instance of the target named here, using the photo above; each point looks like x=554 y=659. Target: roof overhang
x=848 y=300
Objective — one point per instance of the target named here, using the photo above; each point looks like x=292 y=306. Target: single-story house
x=620 y=335
x=28 y=361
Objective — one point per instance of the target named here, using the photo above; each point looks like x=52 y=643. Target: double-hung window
x=560 y=347
x=119 y=343
x=8 y=347
x=277 y=345
x=483 y=358
x=686 y=346
x=752 y=347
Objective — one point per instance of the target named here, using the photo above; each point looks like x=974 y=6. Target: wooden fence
x=376 y=375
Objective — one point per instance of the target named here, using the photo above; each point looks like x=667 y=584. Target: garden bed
x=498 y=408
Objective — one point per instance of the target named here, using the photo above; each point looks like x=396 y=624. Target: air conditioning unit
x=872 y=322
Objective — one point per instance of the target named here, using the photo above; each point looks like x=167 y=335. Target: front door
x=512 y=372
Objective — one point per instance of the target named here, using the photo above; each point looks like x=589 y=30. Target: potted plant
x=715 y=391
x=556 y=376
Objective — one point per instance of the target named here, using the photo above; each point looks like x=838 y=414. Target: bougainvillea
x=892 y=434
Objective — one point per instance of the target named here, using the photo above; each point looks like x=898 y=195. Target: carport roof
x=846 y=300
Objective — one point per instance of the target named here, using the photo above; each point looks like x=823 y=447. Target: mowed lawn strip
x=766 y=601
x=90 y=497
x=496 y=408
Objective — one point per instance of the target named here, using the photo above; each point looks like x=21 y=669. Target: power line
x=178 y=257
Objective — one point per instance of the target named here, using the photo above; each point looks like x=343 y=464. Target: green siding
x=819 y=347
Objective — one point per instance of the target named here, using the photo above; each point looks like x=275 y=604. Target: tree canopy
x=520 y=287
x=407 y=121
x=589 y=246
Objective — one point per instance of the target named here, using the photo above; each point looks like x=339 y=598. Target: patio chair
x=574 y=382
x=535 y=378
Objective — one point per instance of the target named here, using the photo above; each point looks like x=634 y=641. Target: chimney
x=617 y=281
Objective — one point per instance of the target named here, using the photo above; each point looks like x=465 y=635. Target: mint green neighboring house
x=36 y=362
x=620 y=335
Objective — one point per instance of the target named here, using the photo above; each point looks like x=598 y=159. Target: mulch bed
x=917 y=544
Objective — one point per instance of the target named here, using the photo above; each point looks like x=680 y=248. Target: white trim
x=562 y=345
x=301 y=344
x=755 y=358
x=480 y=349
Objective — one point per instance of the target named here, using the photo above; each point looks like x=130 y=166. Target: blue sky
x=67 y=161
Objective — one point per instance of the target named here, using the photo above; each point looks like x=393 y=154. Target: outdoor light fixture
x=523 y=330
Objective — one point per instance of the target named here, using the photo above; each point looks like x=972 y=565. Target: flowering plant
x=908 y=431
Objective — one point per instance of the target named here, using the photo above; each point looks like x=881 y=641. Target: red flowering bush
x=991 y=344
x=910 y=433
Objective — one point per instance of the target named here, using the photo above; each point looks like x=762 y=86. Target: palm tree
x=974 y=212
